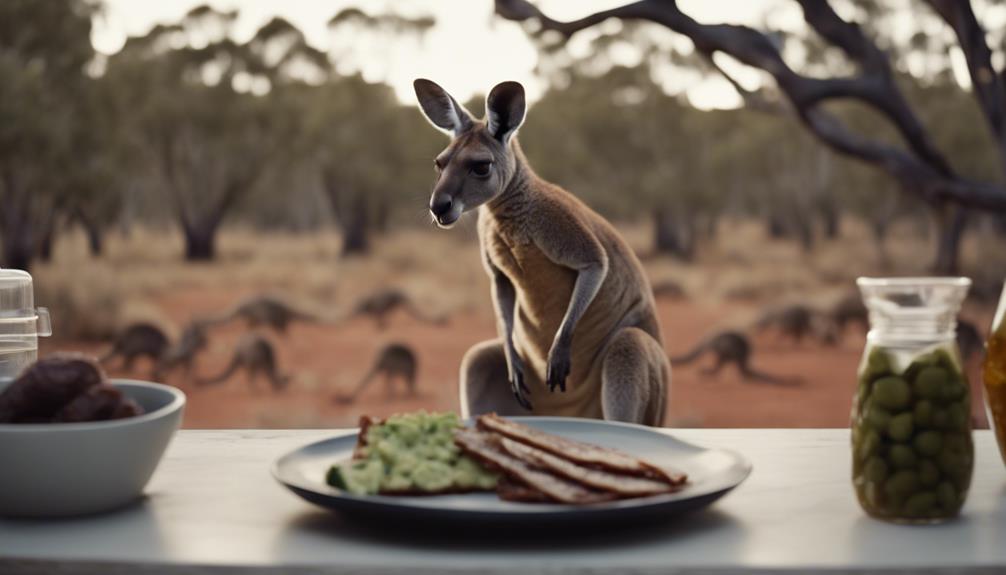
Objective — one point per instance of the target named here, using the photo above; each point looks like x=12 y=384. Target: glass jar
x=21 y=323
x=911 y=427
x=994 y=374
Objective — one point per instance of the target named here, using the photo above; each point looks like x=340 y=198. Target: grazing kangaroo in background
x=850 y=309
x=395 y=361
x=183 y=353
x=730 y=347
x=136 y=341
x=572 y=301
x=255 y=355
x=380 y=304
x=263 y=310
x=794 y=321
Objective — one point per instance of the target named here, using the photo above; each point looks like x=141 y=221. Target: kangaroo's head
x=479 y=162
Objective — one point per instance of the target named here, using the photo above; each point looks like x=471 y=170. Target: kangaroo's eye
x=481 y=169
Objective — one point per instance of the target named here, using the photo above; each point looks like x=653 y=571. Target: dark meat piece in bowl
x=44 y=388
x=99 y=403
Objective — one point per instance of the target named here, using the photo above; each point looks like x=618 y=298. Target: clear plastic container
x=21 y=323
x=994 y=374
x=912 y=449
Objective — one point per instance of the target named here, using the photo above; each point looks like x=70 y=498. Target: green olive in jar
x=912 y=449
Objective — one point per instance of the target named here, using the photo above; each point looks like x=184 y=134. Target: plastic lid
x=18 y=314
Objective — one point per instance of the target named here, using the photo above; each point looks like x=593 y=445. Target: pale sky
x=469 y=50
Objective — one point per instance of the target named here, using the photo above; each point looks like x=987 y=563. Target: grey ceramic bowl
x=64 y=469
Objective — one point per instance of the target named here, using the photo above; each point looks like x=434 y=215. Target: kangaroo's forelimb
x=505 y=296
x=591 y=265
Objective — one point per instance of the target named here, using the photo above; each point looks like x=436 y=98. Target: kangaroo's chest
x=543 y=287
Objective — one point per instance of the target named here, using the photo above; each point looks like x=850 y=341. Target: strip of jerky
x=510 y=490
x=483 y=447
x=621 y=485
x=582 y=453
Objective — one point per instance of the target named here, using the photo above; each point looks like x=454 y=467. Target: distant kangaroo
x=380 y=304
x=136 y=341
x=183 y=353
x=395 y=361
x=730 y=347
x=794 y=321
x=255 y=355
x=850 y=310
x=263 y=310
x=572 y=301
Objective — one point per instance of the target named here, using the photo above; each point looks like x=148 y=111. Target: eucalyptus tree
x=45 y=49
x=203 y=111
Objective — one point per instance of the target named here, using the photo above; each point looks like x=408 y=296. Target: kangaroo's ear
x=440 y=108
x=505 y=107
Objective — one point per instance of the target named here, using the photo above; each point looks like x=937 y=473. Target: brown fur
x=578 y=330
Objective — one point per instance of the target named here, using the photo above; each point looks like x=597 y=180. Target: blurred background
x=250 y=181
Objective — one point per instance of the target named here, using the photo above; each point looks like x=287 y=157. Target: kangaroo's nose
x=441 y=204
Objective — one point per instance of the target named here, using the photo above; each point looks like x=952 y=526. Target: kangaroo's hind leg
x=635 y=378
x=485 y=385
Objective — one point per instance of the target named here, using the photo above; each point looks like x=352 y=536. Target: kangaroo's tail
x=691 y=356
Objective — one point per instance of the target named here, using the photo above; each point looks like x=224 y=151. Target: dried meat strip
x=582 y=453
x=622 y=485
x=485 y=448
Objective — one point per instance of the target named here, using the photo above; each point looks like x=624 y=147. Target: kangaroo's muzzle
x=445 y=209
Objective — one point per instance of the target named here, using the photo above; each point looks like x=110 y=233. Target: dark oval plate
x=712 y=473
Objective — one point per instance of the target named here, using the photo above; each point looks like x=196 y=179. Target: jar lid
x=18 y=313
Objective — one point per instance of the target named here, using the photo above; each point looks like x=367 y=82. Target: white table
x=212 y=507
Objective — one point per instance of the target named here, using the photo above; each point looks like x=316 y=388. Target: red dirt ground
x=324 y=359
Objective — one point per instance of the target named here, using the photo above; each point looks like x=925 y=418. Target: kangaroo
x=730 y=347
x=183 y=353
x=255 y=355
x=395 y=361
x=263 y=310
x=136 y=341
x=380 y=304
x=575 y=310
x=849 y=310
x=794 y=321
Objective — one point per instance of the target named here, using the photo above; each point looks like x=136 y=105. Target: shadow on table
x=474 y=536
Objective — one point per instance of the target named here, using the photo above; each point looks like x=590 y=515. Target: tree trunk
x=665 y=239
x=93 y=231
x=18 y=248
x=832 y=219
x=951 y=223
x=776 y=227
x=200 y=243
x=356 y=228
x=95 y=241
x=672 y=236
x=879 y=227
x=45 y=244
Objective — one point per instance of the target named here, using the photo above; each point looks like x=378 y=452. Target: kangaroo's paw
x=558 y=371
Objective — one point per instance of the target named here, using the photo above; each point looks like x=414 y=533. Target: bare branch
x=987 y=85
x=924 y=170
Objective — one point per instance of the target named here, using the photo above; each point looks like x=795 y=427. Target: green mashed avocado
x=412 y=452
